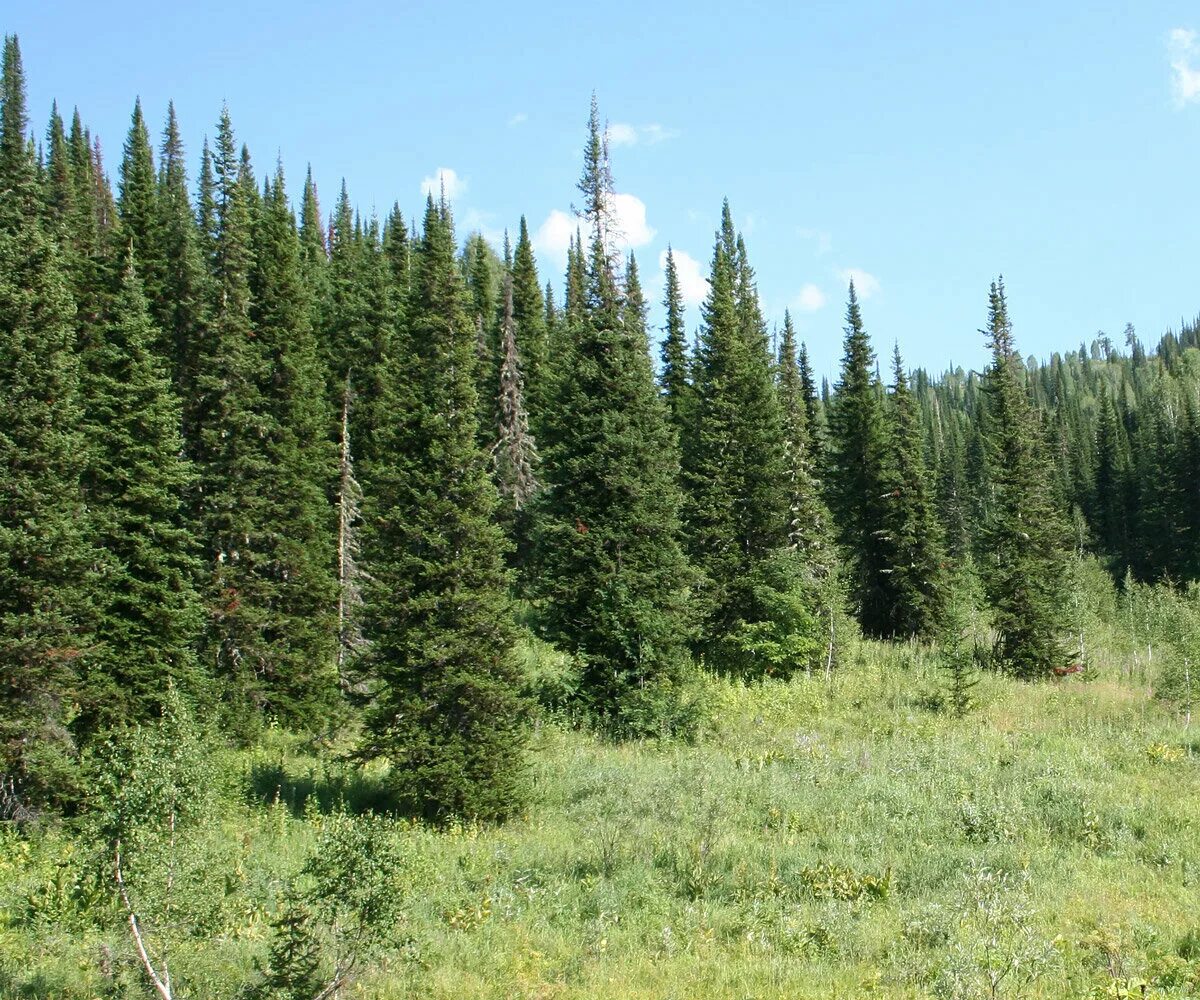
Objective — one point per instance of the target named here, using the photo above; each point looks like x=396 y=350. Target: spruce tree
x=675 y=370
x=856 y=439
x=59 y=194
x=179 y=301
x=1024 y=539
x=137 y=202
x=532 y=332
x=298 y=469
x=810 y=530
x=149 y=614
x=812 y=407
x=398 y=253
x=46 y=559
x=734 y=474
x=914 y=583
x=232 y=428
x=444 y=709
x=1109 y=511
x=610 y=574
x=18 y=173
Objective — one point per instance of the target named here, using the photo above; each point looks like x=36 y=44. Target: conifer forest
x=386 y=614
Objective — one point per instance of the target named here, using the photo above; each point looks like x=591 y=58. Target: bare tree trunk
x=350 y=638
x=160 y=981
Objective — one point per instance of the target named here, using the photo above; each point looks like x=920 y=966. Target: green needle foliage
x=47 y=556
x=299 y=470
x=149 y=614
x=1024 y=564
x=914 y=582
x=675 y=371
x=532 y=331
x=858 y=449
x=610 y=573
x=443 y=708
x=734 y=468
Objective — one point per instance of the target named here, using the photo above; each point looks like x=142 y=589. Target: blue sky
x=925 y=147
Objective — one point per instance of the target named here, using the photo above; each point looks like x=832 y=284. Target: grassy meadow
x=842 y=838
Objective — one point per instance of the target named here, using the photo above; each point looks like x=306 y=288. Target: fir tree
x=298 y=470
x=293 y=967
x=232 y=428
x=58 y=184
x=397 y=251
x=734 y=469
x=809 y=527
x=675 y=371
x=178 y=305
x=1024 y=569
x=46 y=580
x=444 y=709
x=532 y=331
x=812 y=407
x=1109 y=510
x=18 y=174
x=137 y=197
x=609 y=570
x=149 y=613
x=911 y=532
x=855 y=471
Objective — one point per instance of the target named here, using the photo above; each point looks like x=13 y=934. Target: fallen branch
x=162 y=984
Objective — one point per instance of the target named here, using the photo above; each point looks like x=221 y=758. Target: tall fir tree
x=444 y=709
x=1110 y=512
x=675 y=371
x=810 y=529
x=1024 y=539
x=149 y=613
x=47 y=579
x=734 y=458
x=298 y=471
x=531 y=328
x=137 y=196
x=914 y=583
x=232 y=428
x=857 y=447
x=178 y=305
x=812 y=405
x=610 y=574
x=18 y=168
x=59 y=188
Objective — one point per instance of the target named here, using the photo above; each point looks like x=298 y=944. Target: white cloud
x=621 y=134
x=657 y=133
x=554 y=235
x=693 y=285
x=520 y=118
x=629 y=228
x=629 y=223
x=865 y=283
x=624 y=134
x=444 y=179
x=810 y=299
x=475 y=221
x=821 y=238
x=1184 y=51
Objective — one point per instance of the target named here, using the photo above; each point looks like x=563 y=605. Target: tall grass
x=820 y=839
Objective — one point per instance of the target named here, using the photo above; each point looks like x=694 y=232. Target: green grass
x=820 y=840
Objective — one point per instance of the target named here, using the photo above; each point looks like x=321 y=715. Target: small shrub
x=1164 y=753
x=830 y=881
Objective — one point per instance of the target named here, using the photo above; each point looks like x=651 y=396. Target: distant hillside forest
x=343 y=474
